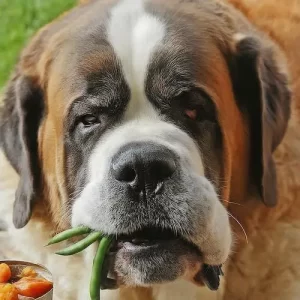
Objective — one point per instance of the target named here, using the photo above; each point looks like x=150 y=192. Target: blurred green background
x=19 y=19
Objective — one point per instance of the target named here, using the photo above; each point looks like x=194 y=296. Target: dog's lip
x=151 y=238
x=147 y=236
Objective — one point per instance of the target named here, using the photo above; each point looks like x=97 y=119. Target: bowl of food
x=21 y=280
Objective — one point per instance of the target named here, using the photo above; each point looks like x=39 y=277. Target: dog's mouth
x=146 y=238
x=152 y=256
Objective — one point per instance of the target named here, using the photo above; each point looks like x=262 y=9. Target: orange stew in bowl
x=28 y=284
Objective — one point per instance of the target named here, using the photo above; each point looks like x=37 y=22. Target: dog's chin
x=137 y=261
x=160 y=262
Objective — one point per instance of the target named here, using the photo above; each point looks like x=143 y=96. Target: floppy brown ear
x=20 y=118
x=263 y=94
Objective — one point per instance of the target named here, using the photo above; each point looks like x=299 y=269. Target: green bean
x=81 y=245
x=68 y=234
x=97 y=268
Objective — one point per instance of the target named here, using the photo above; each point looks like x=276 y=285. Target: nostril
x=126 y=174
x=161 y=170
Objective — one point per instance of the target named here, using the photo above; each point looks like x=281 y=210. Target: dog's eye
x=191 y=113
x=196 y=105
x=89 y=120
x=197 y=112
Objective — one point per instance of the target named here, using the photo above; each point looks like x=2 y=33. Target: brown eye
x=190 y=104
x=191 y=113
x=89 y=120
x=196 y=105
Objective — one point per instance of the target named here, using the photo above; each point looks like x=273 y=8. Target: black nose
x=143 y=166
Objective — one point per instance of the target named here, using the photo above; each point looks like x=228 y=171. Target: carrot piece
x=33 y=287
x=28 y=272
x=8 y=292
x=5 y=273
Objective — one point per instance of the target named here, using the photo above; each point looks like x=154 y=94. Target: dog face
x=139 y=121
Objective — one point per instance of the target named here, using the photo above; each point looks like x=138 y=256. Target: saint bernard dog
x=172 y=125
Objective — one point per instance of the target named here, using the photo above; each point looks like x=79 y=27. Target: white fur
x=239 y=36
x=134 y=35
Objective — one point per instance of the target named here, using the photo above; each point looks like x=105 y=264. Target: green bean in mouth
x=95 y=282
x=104 y=244
x=81 y=245
x=67 y=234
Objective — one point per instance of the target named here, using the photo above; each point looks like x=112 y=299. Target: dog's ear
x=21 y=114
x=262 y=92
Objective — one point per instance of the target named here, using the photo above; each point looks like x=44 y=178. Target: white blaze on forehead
x=147 y=35
x=134 y=35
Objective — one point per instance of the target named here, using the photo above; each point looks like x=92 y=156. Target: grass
x=19 y=19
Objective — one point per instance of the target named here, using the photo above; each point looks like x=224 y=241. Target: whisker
x=76 y=194
x=239 y=225
x=233 y=203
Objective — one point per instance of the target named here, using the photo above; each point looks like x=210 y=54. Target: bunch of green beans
x=93 y=236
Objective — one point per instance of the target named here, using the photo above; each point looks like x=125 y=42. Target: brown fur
x=234 y=129
x=268 y=268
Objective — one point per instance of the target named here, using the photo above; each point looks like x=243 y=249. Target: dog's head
x=142 y=120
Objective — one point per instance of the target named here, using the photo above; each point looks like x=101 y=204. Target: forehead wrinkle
x=96 y=60
x=89 y=66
